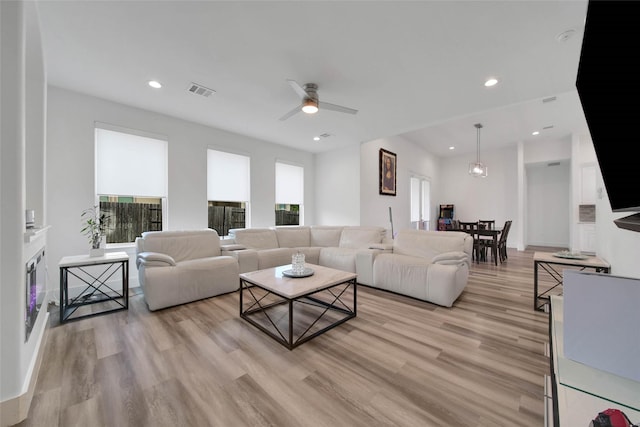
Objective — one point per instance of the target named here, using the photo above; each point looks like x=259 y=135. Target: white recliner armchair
x=176 y=267
x=429 y=265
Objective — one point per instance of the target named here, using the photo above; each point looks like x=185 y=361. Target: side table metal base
x=98 y=294
x=553 y=266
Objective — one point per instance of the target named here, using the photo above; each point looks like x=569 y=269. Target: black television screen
x=608 y=85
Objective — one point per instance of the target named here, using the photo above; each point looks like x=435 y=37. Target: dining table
x=491 y=234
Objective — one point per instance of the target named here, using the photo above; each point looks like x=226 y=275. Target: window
x=420 y=203
x=131 y=182
x=289 y=194
x=228 y=190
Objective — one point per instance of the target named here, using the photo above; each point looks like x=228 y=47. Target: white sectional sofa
x=348 y=248
x=429 y=265
x=176 y=267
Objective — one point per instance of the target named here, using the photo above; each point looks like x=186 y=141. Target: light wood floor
x=400 y=362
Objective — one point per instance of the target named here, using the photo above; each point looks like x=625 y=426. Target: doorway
x=548 y=204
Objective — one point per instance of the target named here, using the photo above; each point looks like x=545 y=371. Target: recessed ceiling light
x=491 y=82
x=316 y=138
x=452 y=148
x=535 y=133
x=155 y=84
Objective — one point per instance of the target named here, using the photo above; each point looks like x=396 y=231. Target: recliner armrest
x=381 y=246
x=232 y=247
x=154 y=259
x=451 y=258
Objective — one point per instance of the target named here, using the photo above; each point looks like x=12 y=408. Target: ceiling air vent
x=550 y=99
x=553 y=164
x=325 y=135
x=547 y=127
x=200 y=90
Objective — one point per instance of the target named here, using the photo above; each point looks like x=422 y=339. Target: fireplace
x=35 y=290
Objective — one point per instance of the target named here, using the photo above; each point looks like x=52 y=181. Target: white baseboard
x=15 y=410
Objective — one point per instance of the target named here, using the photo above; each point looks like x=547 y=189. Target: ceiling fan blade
x=334 y=107
x=298 y=89
x=291 y=113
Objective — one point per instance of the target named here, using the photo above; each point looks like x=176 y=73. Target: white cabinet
x=588 y=185
x=587 y=234
x=586 y=226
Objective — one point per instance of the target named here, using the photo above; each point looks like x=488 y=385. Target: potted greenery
x=95 y=228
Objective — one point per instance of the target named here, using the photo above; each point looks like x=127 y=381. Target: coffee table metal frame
x=286 y=337
x=550 y=263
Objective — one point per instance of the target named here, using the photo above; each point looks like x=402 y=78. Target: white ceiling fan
x=310 y=102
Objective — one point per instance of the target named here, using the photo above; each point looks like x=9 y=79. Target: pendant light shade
x=478 y=169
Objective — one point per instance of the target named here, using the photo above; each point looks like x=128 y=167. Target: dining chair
x=488 y=224
x=472 y=229
x=485 y=242
x=502 y=243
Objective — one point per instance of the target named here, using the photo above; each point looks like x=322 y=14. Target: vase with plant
x=95 y=228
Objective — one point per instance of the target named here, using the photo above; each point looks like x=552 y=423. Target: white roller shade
x=426 y=200
x=415 y=199
x=289 y=184
x=227 y=177
x=130 y=165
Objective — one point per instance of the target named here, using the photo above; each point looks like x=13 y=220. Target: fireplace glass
x=35 y=290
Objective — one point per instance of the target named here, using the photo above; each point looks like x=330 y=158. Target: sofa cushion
x=418 y=278
x=325 y=236
x=360 y=237
x=406 y=275
x=183 y=245
x=428 y=244
x=190 y=280
x=311 y=254
x=268 y=258
x=293 y=236
x=255 y=238
x=339 y=258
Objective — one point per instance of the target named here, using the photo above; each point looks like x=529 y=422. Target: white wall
x=547 y=150
x=337 y=192
x=559 y=189
x=411 y=159
x=22 y=125
x=548 y=195
x=493 y=197
x=70 y=172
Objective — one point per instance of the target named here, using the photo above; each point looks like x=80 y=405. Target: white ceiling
x=415 y=68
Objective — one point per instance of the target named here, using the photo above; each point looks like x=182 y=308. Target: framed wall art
x=387 y=172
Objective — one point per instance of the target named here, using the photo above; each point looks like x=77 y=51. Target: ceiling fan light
x=310 y=106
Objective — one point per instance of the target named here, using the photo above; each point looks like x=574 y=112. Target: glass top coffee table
x=293 y=310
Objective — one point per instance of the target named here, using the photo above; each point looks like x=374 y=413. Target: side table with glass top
x=100 y=284
x=577 y=391
x=553 y=264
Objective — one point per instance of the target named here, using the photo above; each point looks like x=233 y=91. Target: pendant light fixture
x=478 y=169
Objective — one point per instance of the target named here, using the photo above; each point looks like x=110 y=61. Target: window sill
x=112 y=246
